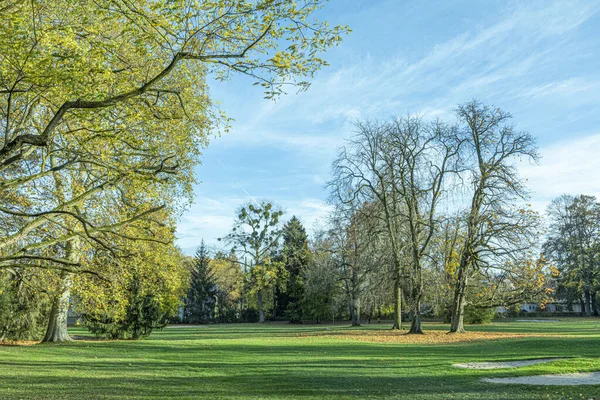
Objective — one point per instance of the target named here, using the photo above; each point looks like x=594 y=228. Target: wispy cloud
x=568 y=166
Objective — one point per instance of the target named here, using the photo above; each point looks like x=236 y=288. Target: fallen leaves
x=429 y=337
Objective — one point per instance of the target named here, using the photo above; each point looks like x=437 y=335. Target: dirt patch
x=580 y=378
x=429 y=337
x=18 y=343
x=504 y=364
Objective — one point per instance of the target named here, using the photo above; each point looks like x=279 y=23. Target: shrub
x=475 y=315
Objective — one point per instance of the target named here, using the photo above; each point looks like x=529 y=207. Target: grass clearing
x=277 y=361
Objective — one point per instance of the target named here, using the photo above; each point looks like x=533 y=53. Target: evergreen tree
x=143 y=314
x=200 y=301
x=296 y=256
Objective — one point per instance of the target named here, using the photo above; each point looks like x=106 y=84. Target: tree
x=255 y=235
x=321 y=286
x=201 y=296
x=111 y=97
x=295 y=257
x=573 y=245
x=402 y=165
x=494 y=228
x=229 y=279
x=146 y=290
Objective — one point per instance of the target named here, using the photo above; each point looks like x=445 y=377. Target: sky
x=539 y=60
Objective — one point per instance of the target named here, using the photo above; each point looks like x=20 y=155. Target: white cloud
x=569 y=166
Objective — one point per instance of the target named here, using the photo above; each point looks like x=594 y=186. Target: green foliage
x=201 y=296
x=296 y=256
x=474 y=315
x=143 y=314
x=23 y=306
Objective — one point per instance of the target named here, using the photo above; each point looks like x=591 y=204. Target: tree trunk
x=415 y=324
x=57 y=323
x=355 y=311
x=261 y=313
x=397 y=304
x=458 y=308
x=587 y=302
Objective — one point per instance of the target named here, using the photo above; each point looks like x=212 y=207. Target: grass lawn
x=277 y=361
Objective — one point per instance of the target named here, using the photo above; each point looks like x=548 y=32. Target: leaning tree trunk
x=57 y=323
x=261 y=313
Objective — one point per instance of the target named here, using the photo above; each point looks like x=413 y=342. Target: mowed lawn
x=281 y=361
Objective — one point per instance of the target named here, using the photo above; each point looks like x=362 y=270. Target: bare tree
x=402 y=165
x=494 y=226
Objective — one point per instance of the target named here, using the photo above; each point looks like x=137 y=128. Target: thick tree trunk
x=458 y=307
x=415 y=324
x=397 y=304
x=57 y=323
x=261 y=313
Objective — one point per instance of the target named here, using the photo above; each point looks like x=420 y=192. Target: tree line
x=428 y=218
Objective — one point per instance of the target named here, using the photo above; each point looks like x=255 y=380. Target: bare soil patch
x=576 y=379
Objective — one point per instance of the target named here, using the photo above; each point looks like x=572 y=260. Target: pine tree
x=200 y=301
x=296 y=256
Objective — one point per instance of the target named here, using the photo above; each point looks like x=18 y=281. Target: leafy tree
x=296 y=256
x=24 y=304
x=256 y=235
x=142 y=315
x=111 y=98
x=574 y=247
x=146 y=290
x=229 y=279
x=201 y=296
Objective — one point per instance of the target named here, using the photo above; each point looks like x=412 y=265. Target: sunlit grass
x=276 y=361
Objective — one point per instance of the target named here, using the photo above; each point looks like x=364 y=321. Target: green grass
x=251 y=361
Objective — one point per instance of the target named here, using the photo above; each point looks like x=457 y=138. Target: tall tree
x=495 y=227
x=295 y=257
x=256 y=235
x=119 y=89
x=403 y=166
x=201 y=296
x=573 y=245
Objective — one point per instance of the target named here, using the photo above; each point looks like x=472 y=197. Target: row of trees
x=104 y=110
x=428 y=216
x=265 y=270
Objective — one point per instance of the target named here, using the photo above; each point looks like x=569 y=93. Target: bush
x=143 y=314
x=479 y=315
x=24 y=307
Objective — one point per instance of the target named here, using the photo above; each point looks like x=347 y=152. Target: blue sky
x=537 y=59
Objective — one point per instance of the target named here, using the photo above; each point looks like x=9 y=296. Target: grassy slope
x=271 y=361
